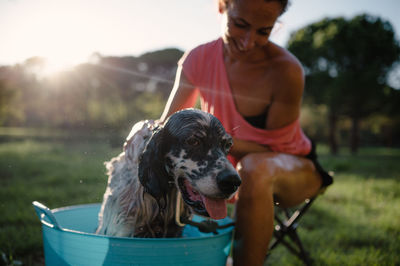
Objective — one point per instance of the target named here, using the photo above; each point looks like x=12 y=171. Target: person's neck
x=257 y=57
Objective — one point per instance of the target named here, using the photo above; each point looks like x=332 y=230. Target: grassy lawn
x=54 y=173
x=356 y=222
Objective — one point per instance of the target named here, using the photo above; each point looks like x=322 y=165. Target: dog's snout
x=228 y=182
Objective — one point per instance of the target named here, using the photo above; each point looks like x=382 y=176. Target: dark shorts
x=326 y=178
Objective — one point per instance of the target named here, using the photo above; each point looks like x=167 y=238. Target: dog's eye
x=227 y=145
x=193 y=141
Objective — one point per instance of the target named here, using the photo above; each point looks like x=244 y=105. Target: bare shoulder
x=285 y=62
x=287 y=81
x=287 y=72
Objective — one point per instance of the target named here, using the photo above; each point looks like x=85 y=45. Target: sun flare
x=56 y=31
x=54 y=66
x=43 y=67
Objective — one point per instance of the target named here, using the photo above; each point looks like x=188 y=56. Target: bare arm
x=183 y=95
x=286 y=102
x=285 y=107
x=241 y=148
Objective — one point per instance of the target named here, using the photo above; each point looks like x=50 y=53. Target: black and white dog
x=187 y=154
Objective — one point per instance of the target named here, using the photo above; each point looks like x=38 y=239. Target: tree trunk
x=332 y=133
x=355 y=135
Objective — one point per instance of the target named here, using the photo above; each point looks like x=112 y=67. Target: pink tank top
x=205 y=68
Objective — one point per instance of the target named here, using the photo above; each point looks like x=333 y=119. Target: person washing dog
x=254 y=87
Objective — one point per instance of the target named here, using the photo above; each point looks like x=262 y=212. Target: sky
x=67 y=32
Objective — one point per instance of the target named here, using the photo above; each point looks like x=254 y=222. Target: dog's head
x=190 y=152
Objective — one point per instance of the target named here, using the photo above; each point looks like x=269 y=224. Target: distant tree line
x=347 y=96
x=347 y=64
x=109 y=92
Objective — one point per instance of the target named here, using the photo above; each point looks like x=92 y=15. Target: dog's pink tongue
x=216 y=208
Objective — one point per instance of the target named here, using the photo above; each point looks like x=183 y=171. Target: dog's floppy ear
x=137 y=139
x=152 y=173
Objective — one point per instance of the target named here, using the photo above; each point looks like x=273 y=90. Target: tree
x=346 y=64
x=107 y=93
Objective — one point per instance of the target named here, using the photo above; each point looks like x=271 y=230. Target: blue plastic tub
x=68 y=239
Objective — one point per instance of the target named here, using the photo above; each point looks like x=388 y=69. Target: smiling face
x=197 y=161
x=247 y=26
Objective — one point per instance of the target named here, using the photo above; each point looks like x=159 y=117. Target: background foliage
x=347 y=96
x=110 y=92
x=56 y=132
x=347 y=62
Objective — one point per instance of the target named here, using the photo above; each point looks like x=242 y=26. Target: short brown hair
x=284 y=3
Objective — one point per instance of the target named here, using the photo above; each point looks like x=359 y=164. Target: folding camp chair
x=286 y=221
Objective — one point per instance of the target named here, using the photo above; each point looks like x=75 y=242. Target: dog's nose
x=228 y=182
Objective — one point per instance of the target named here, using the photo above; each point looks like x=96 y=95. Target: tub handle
x=43 y=211
x=227 y=248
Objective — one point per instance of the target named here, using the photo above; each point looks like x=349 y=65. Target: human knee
x=257 y=167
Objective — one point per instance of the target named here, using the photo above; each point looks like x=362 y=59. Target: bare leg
x=292 y=179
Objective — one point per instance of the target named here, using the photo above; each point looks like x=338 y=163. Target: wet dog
x=186 y=155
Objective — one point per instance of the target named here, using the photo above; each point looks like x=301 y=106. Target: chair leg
x=288 y=227
x=295 y=246
x=302 y=253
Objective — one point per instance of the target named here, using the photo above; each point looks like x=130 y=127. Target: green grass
x=356 y=222
x=54 y=173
